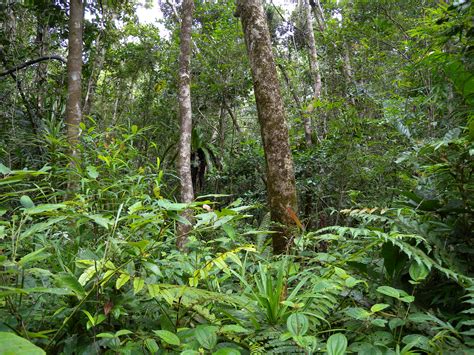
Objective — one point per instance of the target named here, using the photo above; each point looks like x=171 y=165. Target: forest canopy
x=236 y=177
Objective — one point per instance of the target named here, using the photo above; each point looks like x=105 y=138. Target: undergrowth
x=97 y=271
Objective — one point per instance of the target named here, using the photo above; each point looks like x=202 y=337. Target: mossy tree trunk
x=281 y=189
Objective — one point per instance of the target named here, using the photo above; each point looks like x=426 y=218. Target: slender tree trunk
x=293 y=92
x=233 y=118
x=348 y=73
x=74 y=73
x=42 y=42
x=94 y=77
x=281 y=189
x=185 y=116
x=313 y=66
x=318 y=14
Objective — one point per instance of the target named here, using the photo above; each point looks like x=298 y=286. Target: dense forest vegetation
x=237 y=177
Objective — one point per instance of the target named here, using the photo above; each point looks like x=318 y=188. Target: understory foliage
x=381 y=259
x=99 y=271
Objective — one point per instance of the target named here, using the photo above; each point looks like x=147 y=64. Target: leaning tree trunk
x=313 y=66
x=281 y=187
x=74 y=73
x=185 y=116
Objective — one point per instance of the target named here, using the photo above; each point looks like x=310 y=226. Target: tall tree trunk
x=74 y=73
x=281 y=187
x=313 y=66
x=185 y=117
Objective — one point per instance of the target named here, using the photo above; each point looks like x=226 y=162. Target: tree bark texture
x=185 y=119
x=281 y=187
x=313 y=66
x=74 y=74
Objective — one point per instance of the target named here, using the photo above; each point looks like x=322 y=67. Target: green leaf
x=123 y=332
x=233 y=328
x=36 y=255
x=297 y=324
x=168 y=337
x=26 y=202
x=92 y=172
x=229 y=230
x=170 y=206
x=417 y=340
x=378 y=307
x=418 y=272
x=91 y=319
x=152 y=345
x=105 y=335
x=379 y=322
x=206 y=336
x=47 y=207
x=4 y=170
x=12 y=344
x=396 y=293
x=101 y=220
x=70 y=282
x=358 y=313
x=395 y=322
x=138 y=284
x=122 y=280
x=389 y=291
x=351 y=282
x=87 y=275
x=7 y=291
x=226 y=351
x=337 y=344
x=51 y=290
x=154 y=290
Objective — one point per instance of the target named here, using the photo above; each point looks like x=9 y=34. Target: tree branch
x=31 y=62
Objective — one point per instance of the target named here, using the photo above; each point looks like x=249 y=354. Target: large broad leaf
x=122 y=280
x=206 y=336
x=70 y=282
x=168 y=337
x=418 y=272
x=12 y=344
x=151 y=345
x=297 y=324
x=337 y=344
